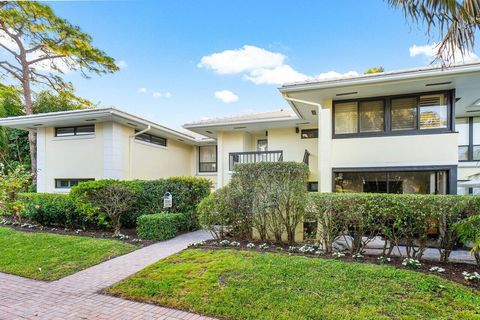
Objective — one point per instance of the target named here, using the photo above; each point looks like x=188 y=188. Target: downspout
x=131 y=138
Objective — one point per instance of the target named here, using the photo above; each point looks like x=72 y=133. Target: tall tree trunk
x=28 y=108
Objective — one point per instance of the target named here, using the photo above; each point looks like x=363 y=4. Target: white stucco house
x=408 y=131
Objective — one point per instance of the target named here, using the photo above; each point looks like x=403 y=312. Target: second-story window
x=207 y=159
x=415 y=114
x=468 y=138
x=75 y=131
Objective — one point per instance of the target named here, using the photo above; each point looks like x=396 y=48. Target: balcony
x=254 y=156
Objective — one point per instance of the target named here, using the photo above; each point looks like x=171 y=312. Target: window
x=433 y=112
x=404 y=114
x=468 y=138
x=207 y=159
x=309 y=134
x=262 y=145
x=399 y=182
x=416 y=113
x=75 y=131
x=68 y=183
x=312 y=186
x=150 y=138
x=371 y=116
x=346 y=118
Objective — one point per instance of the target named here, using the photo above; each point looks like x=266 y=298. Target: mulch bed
x=453 y=271
x=27 y=226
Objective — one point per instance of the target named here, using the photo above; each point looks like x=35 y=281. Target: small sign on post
x=167 y=200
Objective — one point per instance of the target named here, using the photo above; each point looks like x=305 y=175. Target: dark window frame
x=200 y=162
x=150 y=139
x=451 y=173
x=470 y=145
x=309 y=186
x=79 y=180
x=315 y=131
x=75 y=131
x=450 y=100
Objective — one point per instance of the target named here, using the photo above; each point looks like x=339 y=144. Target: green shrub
x=50 y=209
x=215 y=213
x=161 y=226
x=112 y=198
x=468 y=231
x=408 y=219
x=11 y=184
x=187 y=192
x=270 y=197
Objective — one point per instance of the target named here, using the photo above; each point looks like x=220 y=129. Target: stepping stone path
x=77 y=296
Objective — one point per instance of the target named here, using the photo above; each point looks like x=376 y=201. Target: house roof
x=276 y=115
x=85 y=116
x=405 y=74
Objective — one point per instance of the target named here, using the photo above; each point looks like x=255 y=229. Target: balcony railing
x=255 y=156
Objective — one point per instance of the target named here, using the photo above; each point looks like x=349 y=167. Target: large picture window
x=207 y=159
x=395 y=115
x=468 y=138
x=399 y=182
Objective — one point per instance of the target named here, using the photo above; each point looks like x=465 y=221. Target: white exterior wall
x=76 y=157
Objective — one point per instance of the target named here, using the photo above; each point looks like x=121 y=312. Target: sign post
x=167 y=200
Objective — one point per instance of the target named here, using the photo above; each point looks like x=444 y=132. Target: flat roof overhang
x=89 y=116
x=464 y=79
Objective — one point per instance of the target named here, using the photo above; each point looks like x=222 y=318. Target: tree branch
x=46 y=58
x=13 y=73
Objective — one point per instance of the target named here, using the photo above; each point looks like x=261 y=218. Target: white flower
x=384 y=259
x=224 y=243
x=234 y=244
x=411 y=263
x=357 y=256
x=437 y=269
x=338 y=255
x=250 y=246
x=474 y=276
x=264 y=246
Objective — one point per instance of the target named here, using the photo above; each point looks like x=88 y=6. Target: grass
x=235 y=284
x=45 y=256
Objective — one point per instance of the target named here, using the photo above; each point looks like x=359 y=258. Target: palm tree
x=454 y=22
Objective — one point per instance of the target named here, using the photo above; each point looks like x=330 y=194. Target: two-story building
x=409 y=131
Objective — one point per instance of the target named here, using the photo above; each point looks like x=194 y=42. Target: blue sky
x=161 y=45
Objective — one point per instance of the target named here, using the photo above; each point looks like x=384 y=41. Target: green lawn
x=45 y=256
x=247 y=285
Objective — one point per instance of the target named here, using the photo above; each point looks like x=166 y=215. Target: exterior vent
x=437 y=84
x=239 y=127
x=346 y=93
x=90 y=120
x=209 y=132
x=314 y=112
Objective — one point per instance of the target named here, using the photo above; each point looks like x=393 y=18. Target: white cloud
x=156 y=94
x=334 y=75
x=245 y=59
x=122 y=64
x=226 y=96
x=168 y=94
x=429 y=52
x=142 y=90
x=260 y=66
x=277 y=75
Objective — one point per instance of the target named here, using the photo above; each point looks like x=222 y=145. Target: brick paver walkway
x=77 y=296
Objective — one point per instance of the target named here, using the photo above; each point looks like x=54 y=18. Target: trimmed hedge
x=65 y=210
x=50 y=209
x=187 y=193
x=407 y=219
x=161 y=226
